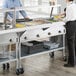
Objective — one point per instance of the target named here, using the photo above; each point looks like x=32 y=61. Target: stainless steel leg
x=4 y=50
x=17 y=55
x=8 y=64
x=19 y=46
x=19 y=69
x=63 y=52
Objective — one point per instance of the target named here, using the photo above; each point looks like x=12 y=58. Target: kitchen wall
x=63 y=4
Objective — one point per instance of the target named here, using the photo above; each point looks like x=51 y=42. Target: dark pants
x=71 y=41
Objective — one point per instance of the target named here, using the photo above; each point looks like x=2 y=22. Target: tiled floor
x=42 y=65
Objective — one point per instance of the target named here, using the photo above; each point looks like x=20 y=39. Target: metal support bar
x=63 y=52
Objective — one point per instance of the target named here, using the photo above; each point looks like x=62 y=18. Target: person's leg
x=75 y=44
x=70 y=35
x=71 y=52
x=75 y=48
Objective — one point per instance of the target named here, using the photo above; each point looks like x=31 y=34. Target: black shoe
x=68 y=65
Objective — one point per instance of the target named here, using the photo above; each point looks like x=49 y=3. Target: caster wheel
x=4 y=66
x=8 y=66
x=51 y=54
x=17 y=72
x=21 y=70
x=65 y=58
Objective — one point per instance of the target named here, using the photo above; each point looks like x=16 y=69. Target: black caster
x=4 y=66
x=21 y=70
x=8 y=66
x=51 y=54
x=65 y=58
x=17 y=71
